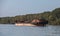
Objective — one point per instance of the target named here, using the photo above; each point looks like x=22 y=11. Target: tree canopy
x=53 y=17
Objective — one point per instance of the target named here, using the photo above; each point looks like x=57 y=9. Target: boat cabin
x=39 y=22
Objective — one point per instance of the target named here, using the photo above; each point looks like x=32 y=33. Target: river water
x=12 y=30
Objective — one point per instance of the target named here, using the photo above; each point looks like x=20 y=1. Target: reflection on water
x=12 y=30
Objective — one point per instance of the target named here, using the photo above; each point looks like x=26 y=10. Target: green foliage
x=53 y=17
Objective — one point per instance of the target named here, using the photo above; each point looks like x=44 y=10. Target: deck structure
x=35 y=22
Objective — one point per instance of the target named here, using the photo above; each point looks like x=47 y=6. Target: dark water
x=12 y=30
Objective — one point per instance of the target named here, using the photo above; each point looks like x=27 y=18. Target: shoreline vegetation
x=53 y=17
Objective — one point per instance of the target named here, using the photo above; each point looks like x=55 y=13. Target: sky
x=22 y=7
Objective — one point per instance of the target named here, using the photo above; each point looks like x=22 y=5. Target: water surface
x=12 y=30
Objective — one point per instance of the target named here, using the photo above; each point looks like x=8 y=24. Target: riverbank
x=27 y=24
